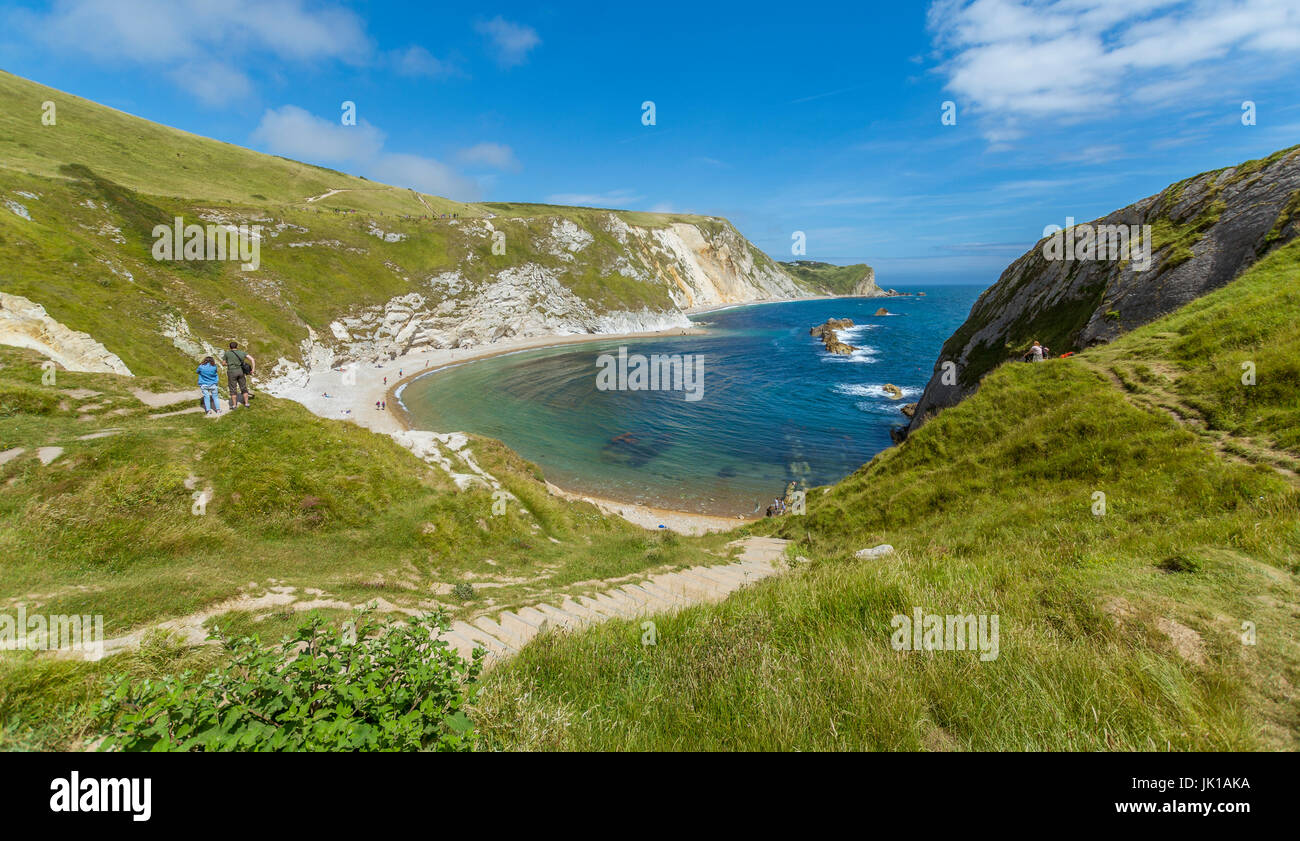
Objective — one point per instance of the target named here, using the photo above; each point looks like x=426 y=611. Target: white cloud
x=417 y=61
x=1036 y=58
x=509 y=42
x=167 y=30
x=424 y=174
x=491 y=155
x=295 y=133
x=212 y=82
x=198 y=43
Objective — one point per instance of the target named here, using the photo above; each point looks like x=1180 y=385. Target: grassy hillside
x=148 y=158
x=319 y=508
x=835 y=280
x=1067 y=305
x=79 y=201
x=1118 y=632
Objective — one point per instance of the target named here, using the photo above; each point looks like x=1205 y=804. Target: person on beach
x=208 y=381
x=238 y=366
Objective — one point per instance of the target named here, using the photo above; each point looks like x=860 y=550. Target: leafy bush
x=358 y=687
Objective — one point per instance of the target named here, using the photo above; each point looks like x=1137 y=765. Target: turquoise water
x=773 y=407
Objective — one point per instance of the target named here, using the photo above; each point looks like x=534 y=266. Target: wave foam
x=872 y=390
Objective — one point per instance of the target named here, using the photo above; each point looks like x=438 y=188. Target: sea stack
x=830 y=338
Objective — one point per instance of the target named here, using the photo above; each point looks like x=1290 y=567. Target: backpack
x=243 y=361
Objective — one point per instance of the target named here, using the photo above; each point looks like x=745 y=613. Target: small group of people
x=1037 y=353
x=239 y=367
x=783 y=504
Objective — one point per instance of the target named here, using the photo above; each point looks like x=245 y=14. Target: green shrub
x=1181 y=562
x=357 y=687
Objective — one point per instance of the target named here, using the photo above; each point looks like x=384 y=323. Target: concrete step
x=462 y=645
x=532 y=614
x=656 y=601
x=714 y=588
x=523 y=629
x=623 y=607
x=561 y=617
x=477 y=636
x=688 y=587
x=586 y=614
x=663 y=593
x=625 y=603
x=728 y=582
x=603 y=609
x=639 y=596
x=507 y=636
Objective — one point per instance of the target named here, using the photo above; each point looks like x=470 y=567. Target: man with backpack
x=238 y=366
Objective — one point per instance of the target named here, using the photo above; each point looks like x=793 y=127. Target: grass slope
x=79 y=201
x=109 y=527
x=833 y=280
x=1121 y=631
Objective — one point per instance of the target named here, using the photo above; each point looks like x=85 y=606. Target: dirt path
x=1152 y=395
x=503 y=633
x=311 y=199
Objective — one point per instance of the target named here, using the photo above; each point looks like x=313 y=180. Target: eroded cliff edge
x=1205 y=231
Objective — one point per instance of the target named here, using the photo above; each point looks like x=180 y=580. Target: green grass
x=1175 y=228
x=153 y=159
x=1209 y=345
x=298 y=501
x=833 y=280
x=97 y=183
x=990 y=508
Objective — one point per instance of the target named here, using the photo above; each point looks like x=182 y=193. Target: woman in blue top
x=208 y=386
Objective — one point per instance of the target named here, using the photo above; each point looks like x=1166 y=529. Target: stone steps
x=510 y=631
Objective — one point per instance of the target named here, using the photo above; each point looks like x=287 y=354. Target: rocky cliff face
x=665 y=269
x=1204 y=231
x=24 y=323
x=866 y=287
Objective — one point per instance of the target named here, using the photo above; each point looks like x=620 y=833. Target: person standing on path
x=208 y=372
x=238 y=366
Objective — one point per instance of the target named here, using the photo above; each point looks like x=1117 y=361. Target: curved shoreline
x=648 y=517
x=357 y=402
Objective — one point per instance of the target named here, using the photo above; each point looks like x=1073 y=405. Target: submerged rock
x=892 y=391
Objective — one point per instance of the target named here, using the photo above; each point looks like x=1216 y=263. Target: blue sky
x=820 y=118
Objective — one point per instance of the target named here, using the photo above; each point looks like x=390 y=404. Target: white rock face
x=717 y=270
x=24 y=323
x=183 y=339
x=687 y=265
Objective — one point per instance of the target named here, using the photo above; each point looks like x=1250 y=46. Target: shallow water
x=774 y=406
